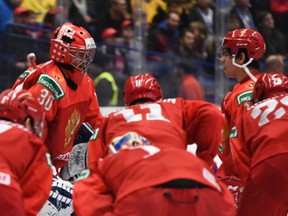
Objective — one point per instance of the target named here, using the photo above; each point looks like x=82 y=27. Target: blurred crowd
x=179 y=38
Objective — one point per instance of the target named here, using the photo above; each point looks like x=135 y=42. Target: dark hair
x=183 y=32
x=254 y=64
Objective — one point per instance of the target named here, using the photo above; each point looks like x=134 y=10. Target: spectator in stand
x=117 y=13
x=274 y=39
x=41 y=8
x=78 y=13
x=104 y=81
x=127 y=33
x=275 y=64
x=25 y=173
x=200 y=32
x=184 y=48
x=110 y=46
x=165 y=36
x=149 y=8
x=279 y=9
x=6 y=15
x=190 y=88
x=204 y=11
x=172 y=6
x=127 y=182
x=23 y=41
x=244 y=13
x=262 y=133
x=64 y=89
x=233 y=22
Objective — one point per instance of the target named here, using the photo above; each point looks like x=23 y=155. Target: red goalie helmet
x=143 y=86
x=248 y=39
x=18 y=105
x=72 y=45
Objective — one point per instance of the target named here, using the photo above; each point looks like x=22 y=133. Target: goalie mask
x=72 y=45
x=18 y=105
x=143 y=86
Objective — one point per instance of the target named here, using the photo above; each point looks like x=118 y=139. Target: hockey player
x=25 y=165
x=262 y=132
x=64 y=89
x=138 y=178
x=170 y=123
x=241 y=51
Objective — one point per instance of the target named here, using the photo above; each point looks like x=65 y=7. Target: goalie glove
x=77 y=162
x=78 y=156
x=84 y=133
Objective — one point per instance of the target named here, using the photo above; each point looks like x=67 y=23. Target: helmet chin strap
x=244 y=66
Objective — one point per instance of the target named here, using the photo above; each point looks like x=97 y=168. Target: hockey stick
x=31 y=58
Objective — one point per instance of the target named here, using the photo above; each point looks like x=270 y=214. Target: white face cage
x=81 y=58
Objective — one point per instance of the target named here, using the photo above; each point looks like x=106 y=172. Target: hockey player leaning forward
x=25 y=165
x=145 y=168
x=64 y=89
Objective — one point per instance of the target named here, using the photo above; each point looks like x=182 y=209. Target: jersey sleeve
x=99 y=194
x=96 y=145
x=26 y=79
x=47 y=97
x=203 y=123
x=93 y=116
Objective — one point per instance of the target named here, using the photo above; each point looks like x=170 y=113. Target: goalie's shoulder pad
x=24 y=74
x=52 y=85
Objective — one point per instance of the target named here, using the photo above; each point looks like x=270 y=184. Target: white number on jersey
x=155 y=113
x=270 y=108
x=46 y=99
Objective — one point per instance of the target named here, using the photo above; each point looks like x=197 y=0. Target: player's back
x=265 y=123
x=26 y=156
x=158 y=122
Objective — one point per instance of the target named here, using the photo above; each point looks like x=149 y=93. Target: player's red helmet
x=143 y=86
x=269 y=85
x=72 y=45
x=18 y=105
x=248 y=39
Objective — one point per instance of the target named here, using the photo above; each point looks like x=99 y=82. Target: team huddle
x=61 y=156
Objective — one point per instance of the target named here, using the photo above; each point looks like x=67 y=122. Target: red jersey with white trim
x=263 y=132
x=234 y=105
x=169 y=123
x=24 y=163
x=135 y=168
x=65 y=109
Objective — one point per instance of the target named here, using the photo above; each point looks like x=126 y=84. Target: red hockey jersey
x=262 y=132
x=234 y=105
x=133 y=169
x=65 y=109
x=170 y=123
x=26 y=164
